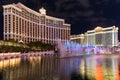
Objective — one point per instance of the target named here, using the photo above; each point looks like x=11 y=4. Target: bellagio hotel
x=24 y=24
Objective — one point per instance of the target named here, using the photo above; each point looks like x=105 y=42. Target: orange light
x=99 y=72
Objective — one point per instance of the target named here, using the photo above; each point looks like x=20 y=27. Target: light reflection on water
x=102 y=67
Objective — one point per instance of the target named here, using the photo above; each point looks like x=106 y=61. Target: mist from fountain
x=70 y=48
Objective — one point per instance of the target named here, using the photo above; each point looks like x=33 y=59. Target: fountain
x=69 y=49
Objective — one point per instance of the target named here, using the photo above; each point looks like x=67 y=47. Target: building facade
x=80 y=38
x=23 y=23
x=98 y=37
x=102 y=36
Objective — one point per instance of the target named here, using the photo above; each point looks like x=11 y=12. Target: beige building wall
x=80 y=38
x=23 y=23
x=102 y=36
x=98 y=37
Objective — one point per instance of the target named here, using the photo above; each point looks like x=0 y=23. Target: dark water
x=105 y=67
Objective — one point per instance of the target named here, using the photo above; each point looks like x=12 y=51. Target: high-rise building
x=23 y=23
x=98 y=37
x=102 y=36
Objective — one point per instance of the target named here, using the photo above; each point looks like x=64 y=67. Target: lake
x=94 y=67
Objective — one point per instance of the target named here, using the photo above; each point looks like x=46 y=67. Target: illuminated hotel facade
x=102 y=36
x=23 y=23
x=80 y=38
x=99 y=37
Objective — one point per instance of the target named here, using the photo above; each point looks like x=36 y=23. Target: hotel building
x=23 y=23
x=102 y=36
x=80 y=38
x=98 y=37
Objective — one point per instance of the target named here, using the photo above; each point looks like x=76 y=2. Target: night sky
x=83 y=15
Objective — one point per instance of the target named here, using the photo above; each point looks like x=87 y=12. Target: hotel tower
x=23 y=23
x=102 y=36
x=98 y=37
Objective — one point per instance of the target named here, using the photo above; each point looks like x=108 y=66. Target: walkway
x=18 y=54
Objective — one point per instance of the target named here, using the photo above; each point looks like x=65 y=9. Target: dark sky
x=83 y=15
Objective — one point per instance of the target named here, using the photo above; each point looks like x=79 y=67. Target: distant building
x=102 y=36
x=78 y=38
x=24 y=24
x=98 y=37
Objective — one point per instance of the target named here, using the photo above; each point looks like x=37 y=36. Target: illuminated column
x=116 y=36
x=5 y=22
x=60 y=33
x=7 y=27
x=15 y=29
x=18 y=36
x=11 y=26
x=48 y=35
x=64 y=34
x=45 y=34
x=51 y=31
x=40 y=32
x=67 y=34
x=20 y=29
x=25 y=31
x=37 y=32
x=32 y=32
x=28 y=26
x=53 y=35
x=28 y=32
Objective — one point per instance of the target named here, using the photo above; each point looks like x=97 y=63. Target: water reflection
x=102 y=67
x=51 y=68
